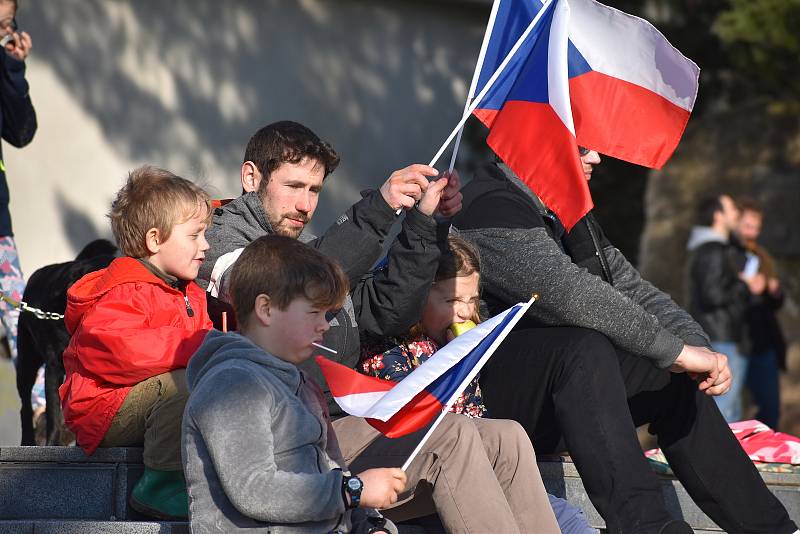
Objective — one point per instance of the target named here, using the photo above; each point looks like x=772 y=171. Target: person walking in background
x=718 y=294
x=18 y=125
x=768 y=351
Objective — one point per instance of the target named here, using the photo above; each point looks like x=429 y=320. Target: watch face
x=354 y=484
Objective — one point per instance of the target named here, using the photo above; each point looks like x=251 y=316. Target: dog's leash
x=23 y=306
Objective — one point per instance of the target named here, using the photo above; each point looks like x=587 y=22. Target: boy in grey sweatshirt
x=258 y=449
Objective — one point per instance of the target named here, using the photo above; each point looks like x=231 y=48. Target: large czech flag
x=586 y=75
x=399 y=408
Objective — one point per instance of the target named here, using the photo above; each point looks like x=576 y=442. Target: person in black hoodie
x=18 y=124
x=602 y=352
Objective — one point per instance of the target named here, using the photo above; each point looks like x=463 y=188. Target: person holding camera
x=18 y=125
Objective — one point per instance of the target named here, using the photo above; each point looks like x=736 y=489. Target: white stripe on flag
x=631 y=49
x=360 y=404
x=557 y=65
x=433 y=368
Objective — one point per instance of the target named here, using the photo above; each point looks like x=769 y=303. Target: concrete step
x=562 y=480
x=80 y=487
x=60 y=487
x=93 y=527
x=120 y=527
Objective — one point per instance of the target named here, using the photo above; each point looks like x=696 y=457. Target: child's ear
x=152 y=240
x=263 y=309
x=250 y=177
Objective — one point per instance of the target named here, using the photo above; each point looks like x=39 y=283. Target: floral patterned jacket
x=393 y=359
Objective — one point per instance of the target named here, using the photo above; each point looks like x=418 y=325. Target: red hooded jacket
x=127 y=325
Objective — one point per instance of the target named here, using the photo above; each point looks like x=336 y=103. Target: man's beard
x=289 y=231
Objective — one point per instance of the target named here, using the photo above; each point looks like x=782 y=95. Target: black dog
x=42 y=341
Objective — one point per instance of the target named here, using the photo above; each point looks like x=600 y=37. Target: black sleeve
x=716 y=286
x=19 y=117
x=356 y=238
x=389 y=301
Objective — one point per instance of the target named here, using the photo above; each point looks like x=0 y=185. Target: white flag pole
x=470 y=377
x=490 y=82
x=478 y=66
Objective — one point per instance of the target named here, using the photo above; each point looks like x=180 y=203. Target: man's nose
x=303 y=204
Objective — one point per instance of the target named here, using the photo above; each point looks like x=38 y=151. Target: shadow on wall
x=78 y=227
x=184 y=86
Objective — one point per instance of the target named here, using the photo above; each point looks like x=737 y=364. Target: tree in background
x=762 y=42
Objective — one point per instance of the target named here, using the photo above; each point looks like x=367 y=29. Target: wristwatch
x=352 y=486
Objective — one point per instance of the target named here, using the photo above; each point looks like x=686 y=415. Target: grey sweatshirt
x=258 y=449
x=635 y=315
x=700 y=235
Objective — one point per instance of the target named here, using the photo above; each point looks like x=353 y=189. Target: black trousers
x=571 y=389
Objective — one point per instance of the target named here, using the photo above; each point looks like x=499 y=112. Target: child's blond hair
x=153 y=198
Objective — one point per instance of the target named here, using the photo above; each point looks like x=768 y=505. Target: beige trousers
x=481 y=473
x=151 y=416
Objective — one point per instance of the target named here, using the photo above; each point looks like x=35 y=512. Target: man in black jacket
x=602 y=352
x=717 y=293
x=18 y=125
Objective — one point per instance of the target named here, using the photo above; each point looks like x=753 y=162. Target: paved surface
x=10 y=431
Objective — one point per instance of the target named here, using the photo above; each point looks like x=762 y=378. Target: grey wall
x=183 y=85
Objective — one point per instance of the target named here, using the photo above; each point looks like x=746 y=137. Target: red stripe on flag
x=344 y=381
x=486 y=116
x=531 y=138
x=625 y=120
x=414 y=415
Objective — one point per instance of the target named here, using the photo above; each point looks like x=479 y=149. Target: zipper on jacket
x=189 y=310
x=598 y=251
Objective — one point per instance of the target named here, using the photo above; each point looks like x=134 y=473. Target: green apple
x=459 y=328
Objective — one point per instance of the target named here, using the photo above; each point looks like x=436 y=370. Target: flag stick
x=469 y=378
x=476 y=75
x=424 y=439
x=490 y=82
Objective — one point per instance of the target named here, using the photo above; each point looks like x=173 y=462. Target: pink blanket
x=760 y=442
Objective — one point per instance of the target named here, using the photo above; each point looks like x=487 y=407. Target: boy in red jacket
x=134 y=326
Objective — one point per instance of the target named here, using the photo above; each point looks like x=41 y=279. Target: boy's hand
x=381 y=486
x=405 y=187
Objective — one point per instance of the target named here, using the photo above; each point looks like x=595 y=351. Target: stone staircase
x=561 y=479
x=60 y=490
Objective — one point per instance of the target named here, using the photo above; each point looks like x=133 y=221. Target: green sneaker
x=161 y=494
